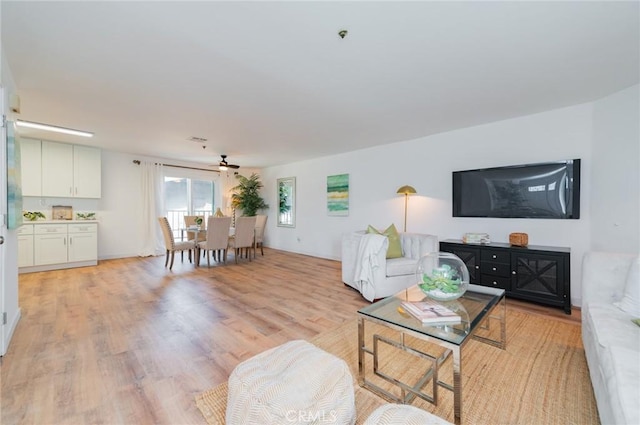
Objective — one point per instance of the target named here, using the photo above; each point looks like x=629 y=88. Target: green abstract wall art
x=338 y=195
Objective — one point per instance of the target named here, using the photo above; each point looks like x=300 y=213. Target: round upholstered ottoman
x=294 y=383
x=394 y=414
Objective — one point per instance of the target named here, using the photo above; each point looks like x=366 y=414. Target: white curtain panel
x=151 y=180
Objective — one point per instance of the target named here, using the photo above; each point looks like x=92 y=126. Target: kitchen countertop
x=58 y=221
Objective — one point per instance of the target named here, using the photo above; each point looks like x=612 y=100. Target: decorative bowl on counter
x=86 y=216
x=32 y=215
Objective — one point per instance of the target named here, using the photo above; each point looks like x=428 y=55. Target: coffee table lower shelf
x=409 y=391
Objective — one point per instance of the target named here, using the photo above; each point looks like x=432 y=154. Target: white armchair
x=366 y=268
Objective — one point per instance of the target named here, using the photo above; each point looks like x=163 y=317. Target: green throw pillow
x=636 y=321
x=395 y=248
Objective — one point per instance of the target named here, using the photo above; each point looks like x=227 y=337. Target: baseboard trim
x=11 y=329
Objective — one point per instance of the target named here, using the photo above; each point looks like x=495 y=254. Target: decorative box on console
x=476 y=238
x=519 y=239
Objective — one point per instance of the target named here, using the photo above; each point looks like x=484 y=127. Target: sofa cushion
x=394 y=250
x=631 y=297
x=622 y=374
x=401 y=266
x=610 y=326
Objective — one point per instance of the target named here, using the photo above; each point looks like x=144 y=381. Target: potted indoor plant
x=246 y=195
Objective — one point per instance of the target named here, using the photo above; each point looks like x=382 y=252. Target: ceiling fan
x=224 y=165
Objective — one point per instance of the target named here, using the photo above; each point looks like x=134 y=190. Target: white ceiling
x=272 y=82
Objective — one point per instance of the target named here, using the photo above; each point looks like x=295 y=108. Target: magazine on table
x=428 y=311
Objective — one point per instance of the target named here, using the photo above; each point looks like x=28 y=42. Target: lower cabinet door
x=83 y=246
x=25 y=250
x=50 y=249
x=539 y=276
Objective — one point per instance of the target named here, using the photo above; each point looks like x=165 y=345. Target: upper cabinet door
x=86 y=172
x=31 y=167
x=57 y=169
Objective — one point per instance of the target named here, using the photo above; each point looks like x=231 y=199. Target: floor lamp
x=406 y=191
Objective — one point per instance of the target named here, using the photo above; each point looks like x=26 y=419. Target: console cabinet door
x=469 y=255
x=540 y=277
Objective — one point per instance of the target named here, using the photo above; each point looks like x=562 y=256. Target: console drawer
x=495 y=269
x=495 y=281
x=495 y=256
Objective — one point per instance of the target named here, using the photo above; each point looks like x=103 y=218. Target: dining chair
x=217 y=239
x=261 y=223
x=171 y=245
x=244 y=236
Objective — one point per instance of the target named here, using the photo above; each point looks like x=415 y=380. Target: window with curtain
x=187 y=196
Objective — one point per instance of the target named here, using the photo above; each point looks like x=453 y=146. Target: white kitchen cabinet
x=57 y=169
x=25 y=245
x=31 y=167
x=57 y=245
x=83 y=242
x=49 y=244
x=62 y=170
x=87 y=172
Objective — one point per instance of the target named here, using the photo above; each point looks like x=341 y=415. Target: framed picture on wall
x=338 y=195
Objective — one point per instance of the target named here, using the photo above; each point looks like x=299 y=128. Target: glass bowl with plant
x=442 y=276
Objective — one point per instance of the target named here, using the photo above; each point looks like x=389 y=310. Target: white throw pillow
x=630 y=302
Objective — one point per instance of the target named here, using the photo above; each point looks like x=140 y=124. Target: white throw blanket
x=367 y=262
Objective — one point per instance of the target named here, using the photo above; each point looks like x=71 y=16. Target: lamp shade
x=406 y=190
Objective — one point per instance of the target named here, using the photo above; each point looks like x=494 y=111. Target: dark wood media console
x=541 y=274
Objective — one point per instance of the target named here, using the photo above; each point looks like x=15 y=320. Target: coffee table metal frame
x=493 y=306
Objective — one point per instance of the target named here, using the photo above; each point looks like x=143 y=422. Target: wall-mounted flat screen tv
x=544 y=190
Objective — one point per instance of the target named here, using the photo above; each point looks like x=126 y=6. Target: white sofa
x=371 y=273
x=611 y=340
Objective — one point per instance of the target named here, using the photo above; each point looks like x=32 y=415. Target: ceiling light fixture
x=55 y=128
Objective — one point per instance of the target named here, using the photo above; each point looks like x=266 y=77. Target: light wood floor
x=130 y=342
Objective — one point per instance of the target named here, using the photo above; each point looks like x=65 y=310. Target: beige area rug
x=541 y=377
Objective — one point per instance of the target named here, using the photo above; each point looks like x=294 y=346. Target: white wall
x=426 y=164
x=615 y=210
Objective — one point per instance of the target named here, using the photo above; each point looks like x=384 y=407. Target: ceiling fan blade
x=224 y=163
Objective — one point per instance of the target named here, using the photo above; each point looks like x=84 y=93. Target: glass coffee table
x=480 y=309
